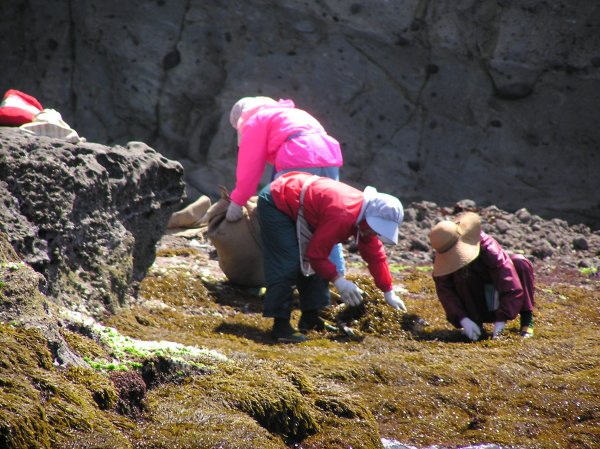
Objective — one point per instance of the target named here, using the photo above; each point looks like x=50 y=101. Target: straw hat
x=456 y=243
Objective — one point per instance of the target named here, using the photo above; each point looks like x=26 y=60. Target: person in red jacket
x=302 y=216
x=479 y=282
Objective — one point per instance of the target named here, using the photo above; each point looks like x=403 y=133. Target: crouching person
x=477 y=281
x=302 y=217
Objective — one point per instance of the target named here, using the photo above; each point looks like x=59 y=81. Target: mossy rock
x=49 y=406
x=198 y=420
x=275 y=403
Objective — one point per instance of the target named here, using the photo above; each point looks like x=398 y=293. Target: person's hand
x=498 y=327
x=350 y=293
x=234 y=212
x=394 y=300
x=470 y=329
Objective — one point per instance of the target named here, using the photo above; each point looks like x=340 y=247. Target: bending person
x=288 y=138
x=302 y=217
x=477 y=281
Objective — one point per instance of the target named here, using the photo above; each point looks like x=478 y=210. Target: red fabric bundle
x=18 y=108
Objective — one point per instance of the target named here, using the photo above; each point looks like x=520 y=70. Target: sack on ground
x=238 y=244
x=192 y=216
x=49 y=123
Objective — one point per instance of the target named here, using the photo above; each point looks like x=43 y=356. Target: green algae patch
x=197 y=420
x=178 y=288
x=412 y=377
x=100 y=388
x=372 y=316
x=254 y=403
x=175 y=252
x=53 y=407
x=126 y=351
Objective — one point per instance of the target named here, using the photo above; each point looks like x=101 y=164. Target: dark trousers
x=525 y=272
x=281 y=259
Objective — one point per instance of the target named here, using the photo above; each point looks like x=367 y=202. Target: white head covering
x=383 y=213
x=245 y=108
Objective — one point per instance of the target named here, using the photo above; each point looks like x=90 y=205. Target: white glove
x=234 y=212
x=350 y=293
x=394 y=300
x=470 y=329
x=498 y=327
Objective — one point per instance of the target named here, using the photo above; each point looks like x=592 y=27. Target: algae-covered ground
x=190 y=365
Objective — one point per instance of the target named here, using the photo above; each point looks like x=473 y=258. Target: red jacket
x=331 y=209
x=462 y=292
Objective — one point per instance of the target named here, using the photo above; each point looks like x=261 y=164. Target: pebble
x=523 y=215
x=502 y=226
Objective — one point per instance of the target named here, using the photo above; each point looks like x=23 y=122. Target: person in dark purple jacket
x=479 y=282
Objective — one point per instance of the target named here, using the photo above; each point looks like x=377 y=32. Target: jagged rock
x=85 y=216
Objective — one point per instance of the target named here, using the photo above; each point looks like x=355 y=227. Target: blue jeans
x=337 y=255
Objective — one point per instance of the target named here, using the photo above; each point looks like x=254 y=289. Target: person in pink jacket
x=477 y=281
x=277 y=133
x=326 y=212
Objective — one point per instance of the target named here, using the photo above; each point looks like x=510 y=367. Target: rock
x=502 y=226
x=543 y=250
x=465 y=205
x=523 y=215
x=392 y=90
x=418 y=245
x=23 y=303
x=86 y=216
x=580 y=242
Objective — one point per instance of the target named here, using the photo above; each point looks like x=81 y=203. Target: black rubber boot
x=310 y=320
x=283 y=332
x=526 y=324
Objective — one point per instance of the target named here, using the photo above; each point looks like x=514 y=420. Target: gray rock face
x=86 y=216
x=491 y=100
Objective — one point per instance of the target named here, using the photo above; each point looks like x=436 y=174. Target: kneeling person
x=302 y=216
x=477 y=281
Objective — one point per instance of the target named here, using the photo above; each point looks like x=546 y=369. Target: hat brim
x=459 y=256
x=464 y=251
x=386 y=230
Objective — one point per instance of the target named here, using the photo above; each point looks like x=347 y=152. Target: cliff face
x=496 y=101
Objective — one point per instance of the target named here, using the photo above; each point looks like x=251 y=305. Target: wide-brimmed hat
x=383 y=213
x=246 y=107
x=456 y=243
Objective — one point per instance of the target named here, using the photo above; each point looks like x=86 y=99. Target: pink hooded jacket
x=285 y=137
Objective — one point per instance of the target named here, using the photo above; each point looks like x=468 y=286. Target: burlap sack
x=192 y=216
x=238 y=244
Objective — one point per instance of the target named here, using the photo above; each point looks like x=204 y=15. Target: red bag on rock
x=18 y=108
